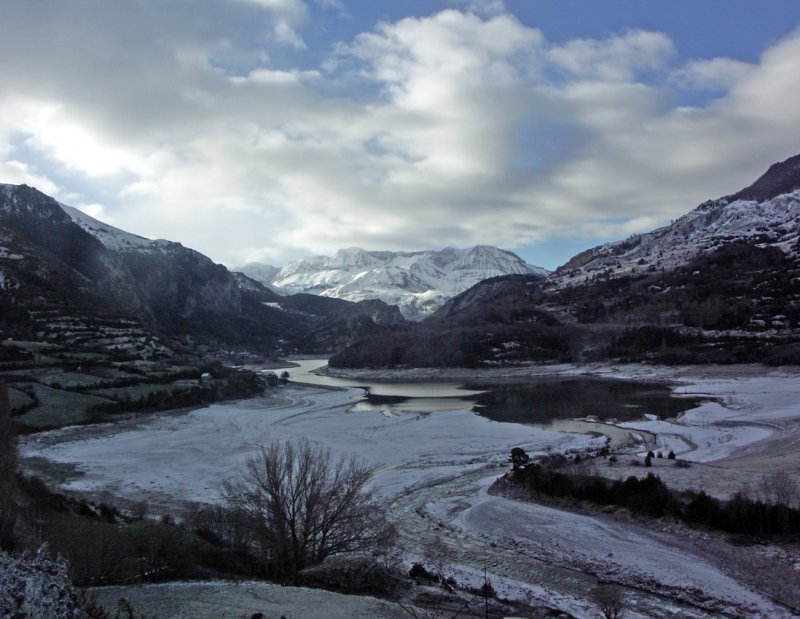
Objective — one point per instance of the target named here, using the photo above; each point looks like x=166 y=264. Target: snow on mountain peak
x=418 y=282
x=773 y=221
x=111 y=237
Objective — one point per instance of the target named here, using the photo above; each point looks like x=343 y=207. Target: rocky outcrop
x=36 y=586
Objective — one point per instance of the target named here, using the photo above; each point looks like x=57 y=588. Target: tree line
x=649 y=496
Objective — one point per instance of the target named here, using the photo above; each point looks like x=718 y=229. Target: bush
x=650 y=496
x=418 y=571
x=355 y=576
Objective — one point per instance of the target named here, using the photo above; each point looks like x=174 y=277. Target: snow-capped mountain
x=262 y=273
x=418 y=282
x=765 y=213
x=719 y=285
x=111 y=237
x=58 y=262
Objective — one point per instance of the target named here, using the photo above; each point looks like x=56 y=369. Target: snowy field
x=197 y=600
x=169 y=459
x=433 y=471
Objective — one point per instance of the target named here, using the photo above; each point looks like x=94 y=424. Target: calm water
x=542 y=401
x=391 y=397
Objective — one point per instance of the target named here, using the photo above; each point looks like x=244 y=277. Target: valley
x=343 y=309
x=142 y=378
x=434 y=470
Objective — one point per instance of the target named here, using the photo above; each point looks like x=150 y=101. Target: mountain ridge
x=54 y=258
x=721 y=284
x=418 y=282
x=767 y=213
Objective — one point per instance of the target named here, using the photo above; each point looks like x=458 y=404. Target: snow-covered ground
x=751 y=412
x=613 y=551
x=172 y=458
x=433 y=470
x=211 y=600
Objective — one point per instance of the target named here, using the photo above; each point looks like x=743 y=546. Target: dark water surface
x=542 y=401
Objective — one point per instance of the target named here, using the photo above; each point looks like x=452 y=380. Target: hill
x=719 y=285
x=57 y=262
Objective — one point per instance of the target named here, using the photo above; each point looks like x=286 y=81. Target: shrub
x=418 y=571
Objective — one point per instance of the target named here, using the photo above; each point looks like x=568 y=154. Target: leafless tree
x=437 y=555
x=301 y=505
x=780 y=488
x=9 y=507
x=610 y=600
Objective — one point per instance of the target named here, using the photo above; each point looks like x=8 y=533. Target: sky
x=268 y=130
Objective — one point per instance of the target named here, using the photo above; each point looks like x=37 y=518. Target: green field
x=59 y=408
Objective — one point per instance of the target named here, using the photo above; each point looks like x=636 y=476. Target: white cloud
x=617 y=58
x=289 y=15
x=485 y=8
x=714 y=74
x=462 y=128
x=18 y=173
x=78 y=148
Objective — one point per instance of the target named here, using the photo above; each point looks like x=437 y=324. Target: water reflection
x=552 y=402
x=390 y=393
x=542 y=400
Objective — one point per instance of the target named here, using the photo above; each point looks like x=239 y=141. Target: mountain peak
x=419 y=282
x=780 y=178
x=765 y=213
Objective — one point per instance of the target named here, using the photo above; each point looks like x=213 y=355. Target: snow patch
x=111 y=237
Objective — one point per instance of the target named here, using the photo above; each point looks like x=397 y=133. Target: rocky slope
x=767 y=213
x=54 y=258
x=719 y=285
x=417 y=282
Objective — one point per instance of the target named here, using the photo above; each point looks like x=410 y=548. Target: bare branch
x=302 y=506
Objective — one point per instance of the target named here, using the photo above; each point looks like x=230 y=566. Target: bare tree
x=610 y=600
x=301 y=506
x=437 y=555
x=9 y=508
x=780 y=488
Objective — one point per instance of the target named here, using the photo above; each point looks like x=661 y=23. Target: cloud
x=461 y=127
x=714 y=74
x=486 y=8
x=288 y=16
x=617 y=58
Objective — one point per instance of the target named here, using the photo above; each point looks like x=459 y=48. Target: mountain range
x=58 y=265
x=721 y=284
x=417 y=282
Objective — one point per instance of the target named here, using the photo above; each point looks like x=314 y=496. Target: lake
x=546 y=401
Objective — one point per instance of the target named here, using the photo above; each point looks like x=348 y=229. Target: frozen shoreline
x=425 y=461
x=748 y=408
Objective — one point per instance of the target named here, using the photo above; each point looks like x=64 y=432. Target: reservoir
x=545 y=401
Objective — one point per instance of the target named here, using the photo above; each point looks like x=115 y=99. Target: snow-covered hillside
x=262 y=273
x=418 y=282
x=753 y=215
x=111 y=237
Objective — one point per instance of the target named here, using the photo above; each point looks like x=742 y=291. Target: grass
x=136 y=392
x=58 y=407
